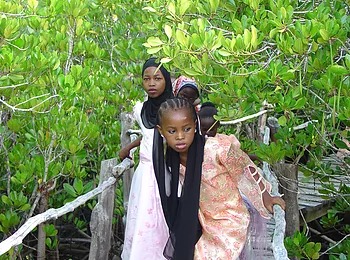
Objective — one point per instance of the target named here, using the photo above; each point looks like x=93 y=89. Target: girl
x=256 y=234
x=206 y=176
x=187 y=88
x=146 y=230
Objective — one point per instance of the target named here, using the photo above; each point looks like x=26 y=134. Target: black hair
x=175 y=104
x=208 y=110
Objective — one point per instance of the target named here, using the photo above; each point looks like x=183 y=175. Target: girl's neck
x=183 y=159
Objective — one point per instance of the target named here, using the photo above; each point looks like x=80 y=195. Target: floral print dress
x=222 y=212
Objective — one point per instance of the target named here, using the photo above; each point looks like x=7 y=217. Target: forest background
x=69 y=68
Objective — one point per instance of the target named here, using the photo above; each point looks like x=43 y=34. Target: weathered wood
x=102 y=215
x=287 y=176
x=278 y=248
x=127 y=122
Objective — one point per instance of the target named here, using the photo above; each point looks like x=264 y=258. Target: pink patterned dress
x=146 y=230
x=222 y=212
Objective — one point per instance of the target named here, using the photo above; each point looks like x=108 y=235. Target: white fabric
x=146 y=230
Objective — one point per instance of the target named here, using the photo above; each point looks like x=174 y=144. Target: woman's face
x=153 y=82
x=178 y=128
x=188 y=93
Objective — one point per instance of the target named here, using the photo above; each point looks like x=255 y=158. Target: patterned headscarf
x=182 y=82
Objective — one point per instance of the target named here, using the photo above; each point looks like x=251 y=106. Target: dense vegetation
x=68 y=68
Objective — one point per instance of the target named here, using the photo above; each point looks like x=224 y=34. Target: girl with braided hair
x=199 y=181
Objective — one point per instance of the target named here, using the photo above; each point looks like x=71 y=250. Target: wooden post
x=288 y=178
x=127 y=122
x=102 y=215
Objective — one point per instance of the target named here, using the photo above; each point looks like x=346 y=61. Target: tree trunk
x=41 y=232
x=288 y=178
x=102 y=215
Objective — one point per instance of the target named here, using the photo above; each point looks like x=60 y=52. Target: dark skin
x=153 y=83
x=190 y=94
x=125 y=151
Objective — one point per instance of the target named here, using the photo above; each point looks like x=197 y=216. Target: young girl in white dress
x=146 y=230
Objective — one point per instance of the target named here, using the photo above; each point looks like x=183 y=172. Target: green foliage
x=68 y=68
x=299 y=246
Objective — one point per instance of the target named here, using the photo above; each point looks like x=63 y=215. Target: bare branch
x=32 y=109
x=244 y=118
x=15 y=86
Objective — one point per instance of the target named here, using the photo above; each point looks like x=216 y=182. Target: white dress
x=146 y=230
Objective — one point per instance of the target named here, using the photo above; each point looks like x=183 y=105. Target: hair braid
x=175 y=104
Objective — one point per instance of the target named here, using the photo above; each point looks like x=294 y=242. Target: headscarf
x=151 y=105
x=182 y=82
x=181 y=213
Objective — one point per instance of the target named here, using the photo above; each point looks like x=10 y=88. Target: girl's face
x=153 y=82
x=178 y=129
x=188 y=93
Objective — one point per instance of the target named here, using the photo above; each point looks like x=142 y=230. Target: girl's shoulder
x=223 y=140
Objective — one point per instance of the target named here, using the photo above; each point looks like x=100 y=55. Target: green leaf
x=181 y=38
x=154 y=41
x=340 y=144
x=69 y=189
x=300 y=103
x=171 y=8
x=324 y=34
x=149 y=9
x=282 y=120
x=224 y=53
x=339 y=70
x=6 y=200
x=165 y=60
x=214 y=4
x=78 y=186
x=184 y=5
x=153 y=50
x=168 y=31
x=191 y=72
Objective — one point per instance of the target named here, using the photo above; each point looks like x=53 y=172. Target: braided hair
x=181 y=213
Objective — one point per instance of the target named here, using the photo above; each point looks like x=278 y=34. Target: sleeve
x=137 y=113
x=249 y=180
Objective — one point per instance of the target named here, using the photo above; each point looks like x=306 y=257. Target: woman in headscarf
x=187 y=88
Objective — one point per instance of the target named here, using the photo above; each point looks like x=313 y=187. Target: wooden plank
x=102 y=215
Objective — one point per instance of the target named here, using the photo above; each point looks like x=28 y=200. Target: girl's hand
x=269 y=201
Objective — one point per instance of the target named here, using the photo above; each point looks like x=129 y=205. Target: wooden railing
x=101 y=216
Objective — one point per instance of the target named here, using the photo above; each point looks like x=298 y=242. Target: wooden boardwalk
x=312 y=204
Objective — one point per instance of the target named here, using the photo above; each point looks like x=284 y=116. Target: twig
x=71 y=33
x=322 y=236
x=244 y=118
x=14 y=108
x=348 y=235
x=304 y=125
x=14 y=86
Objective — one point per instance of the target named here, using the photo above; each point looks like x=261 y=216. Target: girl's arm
x=268 y=200
x=125 y=151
